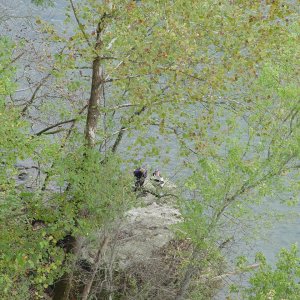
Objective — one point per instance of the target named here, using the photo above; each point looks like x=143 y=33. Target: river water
x=282 y=234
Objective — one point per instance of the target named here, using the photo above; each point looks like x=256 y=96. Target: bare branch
x=96 y=265
x=123 y=106
x=123 y=128
x=107 y=79
x=118 y=139
x=63 y=145
x=34 y=94
x=53 y=126
x=80 y=25
x=12 y=61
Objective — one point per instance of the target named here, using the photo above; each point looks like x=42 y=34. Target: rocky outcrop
x=138 y=252
x=146 y=230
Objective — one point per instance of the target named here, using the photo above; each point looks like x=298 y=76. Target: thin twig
x=107 y=79
x=34 y=94
x=12 y=61
x=80 y=25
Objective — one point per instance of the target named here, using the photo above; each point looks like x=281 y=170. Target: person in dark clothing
x=140 y=175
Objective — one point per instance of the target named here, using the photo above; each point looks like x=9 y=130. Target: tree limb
x=123 y=128
x=62 y=146
x=53 y=126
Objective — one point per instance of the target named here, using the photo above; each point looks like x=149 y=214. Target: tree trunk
x=63 y=287
x=94 y=103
